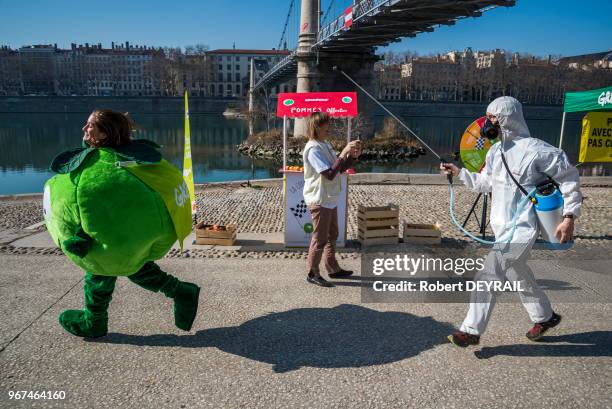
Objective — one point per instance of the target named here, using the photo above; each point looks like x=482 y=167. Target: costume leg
x=91 y=321
x=185 y=295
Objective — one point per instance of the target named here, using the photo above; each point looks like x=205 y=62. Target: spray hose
x=527 y=198
x=507 y=237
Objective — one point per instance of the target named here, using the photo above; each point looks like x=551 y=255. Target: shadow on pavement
x=339 y=337
x=584 y=344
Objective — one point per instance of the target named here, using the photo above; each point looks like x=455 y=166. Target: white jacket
x=317 y=188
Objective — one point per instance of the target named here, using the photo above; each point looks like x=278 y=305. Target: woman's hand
x=356 y=151
x=349 y=148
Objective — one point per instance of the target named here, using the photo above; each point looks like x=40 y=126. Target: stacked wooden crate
x=216 y=234
x=422 y=233
x=378 y=225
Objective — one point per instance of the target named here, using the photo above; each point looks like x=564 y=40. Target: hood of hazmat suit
x=530 y=160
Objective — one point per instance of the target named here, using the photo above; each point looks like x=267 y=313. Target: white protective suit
x=530 y=160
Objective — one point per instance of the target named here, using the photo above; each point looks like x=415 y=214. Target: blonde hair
x=315 y=122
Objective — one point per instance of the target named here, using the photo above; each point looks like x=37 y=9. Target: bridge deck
x=377 y=23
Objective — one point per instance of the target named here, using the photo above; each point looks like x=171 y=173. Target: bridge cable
x=280 y=43
x=326 y=14
x=387 y=111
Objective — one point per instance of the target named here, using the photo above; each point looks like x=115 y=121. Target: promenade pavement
x=265 y=338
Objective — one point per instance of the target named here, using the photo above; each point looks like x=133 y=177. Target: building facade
x=231 y=68
x=388 y=81
x=469 y=76
x=11 y=83
x=132 y=70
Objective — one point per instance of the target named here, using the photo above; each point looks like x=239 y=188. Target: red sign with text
x=299 y=105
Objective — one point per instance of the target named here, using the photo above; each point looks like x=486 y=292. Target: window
x=220 y=76
x=237 y=67
x=237 y=76
x=229 y=77
x=237 y=89
x=237 y=58
x=229 y=67
x=221 y=89
x=220 y=67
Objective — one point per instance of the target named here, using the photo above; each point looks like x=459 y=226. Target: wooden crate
x=422 y=233
x=378 y=225
x=225 y=237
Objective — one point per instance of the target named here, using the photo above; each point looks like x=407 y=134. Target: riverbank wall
x=206 y=105
x=133 y=105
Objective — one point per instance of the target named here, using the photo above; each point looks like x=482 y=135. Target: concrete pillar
x=307 y=74
x=316 y=73
x=251 y=85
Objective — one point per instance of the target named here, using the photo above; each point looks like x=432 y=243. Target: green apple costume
x=113 y=211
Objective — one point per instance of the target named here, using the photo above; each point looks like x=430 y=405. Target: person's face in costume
x=91 y=134
x=492 y=118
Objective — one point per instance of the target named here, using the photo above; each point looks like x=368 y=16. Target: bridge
x=377 y=23
x=350 y=39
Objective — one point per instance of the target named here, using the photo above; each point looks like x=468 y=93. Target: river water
x=29 y=141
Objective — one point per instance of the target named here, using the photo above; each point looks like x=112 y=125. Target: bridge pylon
x=315 y=68
x=307 y=73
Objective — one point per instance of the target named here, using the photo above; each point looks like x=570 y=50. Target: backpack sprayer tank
x=549 y=210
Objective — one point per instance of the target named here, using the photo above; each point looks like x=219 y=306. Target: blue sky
x=535 y=26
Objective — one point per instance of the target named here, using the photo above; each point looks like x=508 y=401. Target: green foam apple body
x=113 y=210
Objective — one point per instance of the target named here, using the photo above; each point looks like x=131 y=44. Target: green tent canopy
x=592 y=100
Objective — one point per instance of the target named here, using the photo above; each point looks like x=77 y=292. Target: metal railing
x=360 y=9
x=290 y=59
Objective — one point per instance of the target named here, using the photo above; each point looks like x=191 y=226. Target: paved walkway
x=265 y=338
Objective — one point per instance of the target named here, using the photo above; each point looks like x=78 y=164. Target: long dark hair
x=117 y=127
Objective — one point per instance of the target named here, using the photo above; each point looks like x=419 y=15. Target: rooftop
x=248 y=52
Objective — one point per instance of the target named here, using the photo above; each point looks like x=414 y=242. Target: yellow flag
x=187 y=163
x=596 y=139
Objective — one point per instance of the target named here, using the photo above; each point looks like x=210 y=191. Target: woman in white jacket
x=321 y=191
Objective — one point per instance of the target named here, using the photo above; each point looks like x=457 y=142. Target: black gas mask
x=490 y=130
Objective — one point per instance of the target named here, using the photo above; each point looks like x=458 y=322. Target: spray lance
x=392 y=115
x=546 y=197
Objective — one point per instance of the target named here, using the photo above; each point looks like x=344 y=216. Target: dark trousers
x=323 y=241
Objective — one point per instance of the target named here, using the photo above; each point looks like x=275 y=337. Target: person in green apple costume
x=114 y=207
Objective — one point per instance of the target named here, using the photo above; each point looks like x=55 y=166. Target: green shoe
x=83 y=324
x=186 y=305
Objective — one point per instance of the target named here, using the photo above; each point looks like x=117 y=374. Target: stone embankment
x=378 y=153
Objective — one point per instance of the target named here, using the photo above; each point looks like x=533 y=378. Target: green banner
x=593 y=100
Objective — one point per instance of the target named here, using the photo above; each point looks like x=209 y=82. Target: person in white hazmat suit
x=530 y=160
